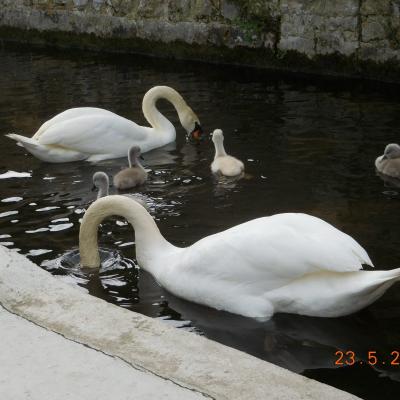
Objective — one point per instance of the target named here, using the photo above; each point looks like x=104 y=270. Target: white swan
x=292 y=263
x=94 y=134
x=223 y=163
x=101 y=182
x=389 y=162
x=133 y=176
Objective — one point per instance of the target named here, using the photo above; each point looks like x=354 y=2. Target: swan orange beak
x=197 y=132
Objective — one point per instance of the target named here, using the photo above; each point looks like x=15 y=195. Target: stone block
x=376 y=7
x=229 y=10
x=336 y=42
x=296 y=25
x=40 y=2
x=153 y=9
x=321 y=7
x=80 y=4
x=374 y=28
x=205 y=10
x=97 y=4
x=179 y=10
x=378 y=51
x=302 y=45
x=263 y=9
x=122 y=8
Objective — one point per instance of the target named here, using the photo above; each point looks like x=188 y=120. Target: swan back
x=236 y=270
x=101 y=182
x=223 y=163
x=283 y=246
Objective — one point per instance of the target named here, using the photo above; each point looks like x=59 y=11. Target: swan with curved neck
x=95 y=134
x=290 y=262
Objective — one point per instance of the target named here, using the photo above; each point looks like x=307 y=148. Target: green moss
x=255 y=26
x=255 y=19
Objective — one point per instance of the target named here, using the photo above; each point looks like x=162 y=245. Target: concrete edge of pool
x=170 y=363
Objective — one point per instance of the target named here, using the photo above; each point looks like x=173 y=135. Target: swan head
x=217 y=136
x=101 y=182
x=392 y=150
x=190 y=123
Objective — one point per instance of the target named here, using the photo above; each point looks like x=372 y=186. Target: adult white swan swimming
x=94 y=134
x=292 y=263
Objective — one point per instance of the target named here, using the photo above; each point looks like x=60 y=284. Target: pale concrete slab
x=184 y=358
x=38 y=364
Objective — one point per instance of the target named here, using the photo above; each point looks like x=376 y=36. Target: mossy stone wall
x=344 y=37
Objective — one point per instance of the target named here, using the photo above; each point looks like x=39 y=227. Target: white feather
x=284 y=263
x=95 y=134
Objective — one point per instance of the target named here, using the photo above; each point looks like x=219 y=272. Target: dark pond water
x=309 y=145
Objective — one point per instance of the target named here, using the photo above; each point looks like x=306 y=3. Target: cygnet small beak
x=93 y=188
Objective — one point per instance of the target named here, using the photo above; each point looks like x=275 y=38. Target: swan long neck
x=150 y=244
x=219 y=148
x=150 y=111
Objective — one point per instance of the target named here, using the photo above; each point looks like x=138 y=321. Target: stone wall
x=345 y=37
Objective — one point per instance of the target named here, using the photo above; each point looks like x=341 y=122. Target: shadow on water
x=308 y=146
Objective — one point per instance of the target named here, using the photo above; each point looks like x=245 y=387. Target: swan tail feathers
x=47 y=153
x=393 y=274
x=362 y=256
x=382 y=277
x=22 y=139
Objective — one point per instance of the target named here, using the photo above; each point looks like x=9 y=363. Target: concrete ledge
x=188 y=360
x=38 y=364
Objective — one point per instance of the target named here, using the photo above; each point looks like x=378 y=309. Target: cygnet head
x=133 y=155
x=191 y=123
x=101 y=182
x=391 y=151
x=217 y=136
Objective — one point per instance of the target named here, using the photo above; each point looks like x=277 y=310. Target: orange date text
x=349 y=357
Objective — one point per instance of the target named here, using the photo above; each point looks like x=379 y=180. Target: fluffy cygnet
x=223 y=163
x=389 y=162
x=101 y=182
x=133 y=176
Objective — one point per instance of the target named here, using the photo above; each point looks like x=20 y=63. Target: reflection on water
x=308 y=146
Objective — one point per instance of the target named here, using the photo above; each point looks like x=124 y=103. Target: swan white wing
x=71 y=114
x=269 y=252
x=96 y=134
